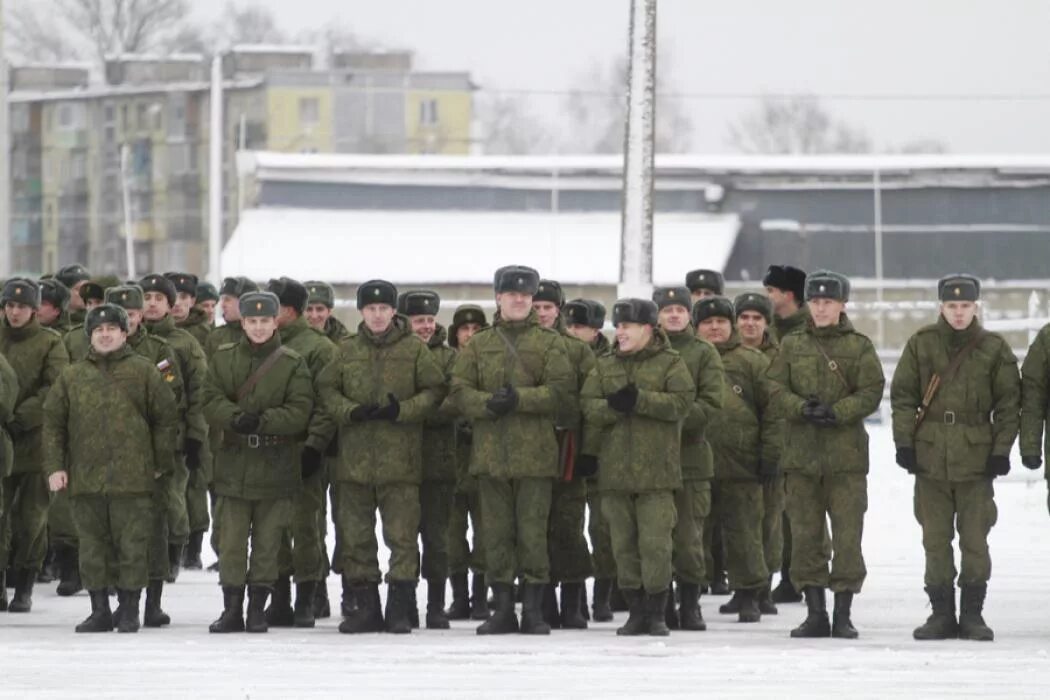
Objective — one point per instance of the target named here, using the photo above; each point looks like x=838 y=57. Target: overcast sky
x=972 y=48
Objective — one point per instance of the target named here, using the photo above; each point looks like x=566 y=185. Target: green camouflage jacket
x=336 y=331
x=439 y=430
x=705 y=366
x=745 y=431
x=222 y=335
x=1035 y=397
x=193 y=367
x=782 y=327
x=318 y=351
x=197 y=324
x=8 y=397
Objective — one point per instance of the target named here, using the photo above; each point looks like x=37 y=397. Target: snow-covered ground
x=44 y=658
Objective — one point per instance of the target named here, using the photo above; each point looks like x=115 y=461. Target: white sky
x=976 y=48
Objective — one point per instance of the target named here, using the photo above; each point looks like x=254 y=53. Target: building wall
x=438 y=121
x=300 y=119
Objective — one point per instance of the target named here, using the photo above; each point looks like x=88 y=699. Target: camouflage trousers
x=514 y=538
x=435 y=513
x=740 y=511
x=115 y=536
x=773 y=524
x=257 y=524
x=60 y=527
x=302 y=543
x=598 y=531
x=842 y=497
x=641 y=525
x=944 y=507
x=570 y=558
x=197 y=499
x=178 y=519
x=464 y=556
x=398 y=506
x=692 y=503
x=159 y=563
x=23 y=520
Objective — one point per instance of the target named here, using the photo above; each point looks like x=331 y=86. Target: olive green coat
x=222 y=335
x=744 y=433
x=366 y=369
x=336 y=331
x=112 y=440
x=984 y=396
x=193 y=366
x=705 y=366
x=318 y=351
x=439 y=431
x=8 y=397
x=782 y=327
x=800 y=371
x=197 y=324
x=1035 y=397
x=641 y=451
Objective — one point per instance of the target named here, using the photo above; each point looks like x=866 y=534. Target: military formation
x=706 y=446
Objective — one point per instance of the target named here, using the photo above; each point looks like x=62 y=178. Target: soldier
x=635 y=401
x=91 y=293
x=73 y=278
x=302 y=546
x=184 y=311
x=258 y=396
x=828 y=380
x=744 y=441
x=115 y=397
x=207 y=300
x=8 y=397
x=704 y=283
x=693 y=501
x=229 y=301
x=38 y=356
x=955 y=395
x=382 y=386
x=319 y=311
x=467 y=320
x=1035 y=403
x=754 y=315
x=54 y=298
x=511 y=381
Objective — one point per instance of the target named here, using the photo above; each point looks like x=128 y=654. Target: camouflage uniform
x=197 y=324
x=1035 y=403
x=8 y=397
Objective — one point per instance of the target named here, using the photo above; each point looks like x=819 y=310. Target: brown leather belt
x=256 y=440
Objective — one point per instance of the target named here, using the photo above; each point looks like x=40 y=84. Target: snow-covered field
x=44 y=658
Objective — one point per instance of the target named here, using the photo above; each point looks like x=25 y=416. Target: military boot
x=971 y=622
x=460 y=607
x=191 y=555
x=549 y=606
x=617 y=600
x=100 y=619
x=153 y=615
x=22 y=602
x=347 y=605
x=532 y=621
x=785 y=591
x=731 y=606
x=366 y=615
x=655 y=613
x=232 y=617
x=584 y=612
x=942 y=623
x=748 y=611
x=636 y=620
x=280 y=613
x=322 y=606
x=670 y=613
x=120 y=607
x=48 y=572
x=571 y=607
x=398 y=599
x=129 y=616
x=174 y=562
x=720 y=583
x=413 y=607
x=479 y=608
x=601 y=608
x=3 y=590
x=816 y=623
x=69 y=572
x=436 y=617
x=689 y=615
x=305 y=593
x=503 y=619
x=766 y=606
x=841 y=625
x=256 y=618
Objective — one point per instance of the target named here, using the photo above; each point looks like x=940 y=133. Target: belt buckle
x=253 y=440
x=949 y=417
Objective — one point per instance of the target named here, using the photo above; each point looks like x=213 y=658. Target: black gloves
x=624 y=400
x=363 y=412
x=503 y=401
x=192 y=449
x=309 y=462
x=1032 y=461
x=767 y=472
x=389 y=412
x=585 y=466
x=813 y=411
x=906 y=459
x=464 y=433
x=245 y=423
x=997 y=465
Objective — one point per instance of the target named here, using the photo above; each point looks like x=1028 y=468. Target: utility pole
x=129 y=232
x=5 y=161
x=215 y=143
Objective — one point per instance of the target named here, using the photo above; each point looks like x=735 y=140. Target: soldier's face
x=423 y=326
x=231 y=309
x=584 y=333
x=134 y=320
x=17 y=314
x=699 y=294
x=107 y=337
x=632 y=337
x=208 y=307
x=76 y=302
x=465 y=332
x=317 y=315
x=514 y=306
x=48 y=313
x=156 y=306
x=378 y=317
x=674 y=318
x=716 y=329
x=259 y=329
x=959 y=314
x=547 y=311
x=825 y=312
x=752 y=327
x=183 y=303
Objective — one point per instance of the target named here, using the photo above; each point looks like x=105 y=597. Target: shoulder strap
x=833 y=366
x=261 y=372
x=513 y=350
x=937 y=380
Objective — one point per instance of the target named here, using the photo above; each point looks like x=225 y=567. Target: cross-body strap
x=833 y=366
x=513 y=350
x=261 y=372
x=939 y=379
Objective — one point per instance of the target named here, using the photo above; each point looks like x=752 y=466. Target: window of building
x=309 y=112
x=109 y=114
x=65 y=116
x=19 y=118
x=158 y=116
x=78 y=165
x=141 y=117
x=428 y=112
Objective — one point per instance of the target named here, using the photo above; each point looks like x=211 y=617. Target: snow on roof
x=458 y=247
x=102 y=91
x=157 y=57
x=272 y=48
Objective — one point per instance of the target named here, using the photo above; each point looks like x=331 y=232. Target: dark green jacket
x=782 y=327
x=197 y=324
x=112 y=440
x=193 y=367
x=222 y=335
x=439 y=431
x=769 y=347
x=283 y=400
x=1035 y=397
x=522 y=443
x=982 y=401
x=705 y=366
x=366 y=369
x=336 y=331
x=800 y=372
x=318 y=351
x=641 y=451
x=8 y=397
x=744 y=433
x=601 y=345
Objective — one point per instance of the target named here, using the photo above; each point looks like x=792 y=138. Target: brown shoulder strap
x=261 y=372
x=833 y=366
x=937 y=380
x=513 y=350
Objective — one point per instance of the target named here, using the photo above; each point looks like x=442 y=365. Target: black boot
x=23 y=599
x=412 y=606
x=280 y=613
x=129 y=616
x=153 y=615
x=816 y=623
x=503 y=619
x=174 y=562
x=460 y=607
x=479 y=608
x=720 y=584
x=399 y=596
x=766 y=606
x=436 y=617
x=571 y=603
x=636 y=619
x=689 y=615
x=731 y=606
x=748 y=611
x=670 y=612
x=841 y=625
x=785 y=591
x=191 y=555
x=305 y=594
x=549 y=607
x=366 y=615
x=942 y=623
x=322 y=607
x=532 y=621
x=256 y=618
x=232 y=617
x=601 y=608
x=655 y=613
x=214 y=566
x=120 y=608
x=100 y=619
x=3 y=590
x=971 y=621
x=69 y=571
x=585 y=613
x=617 y=600
x=348 y=604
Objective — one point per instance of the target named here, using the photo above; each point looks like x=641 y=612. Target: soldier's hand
x=906 y=459
x=997 y=465
x=58 y=481
x=813 y=411
x=363 y=412
x=585 y=466
x=389 y=412
x=503 y=401
x=624 y=400
x=767 y=472
x=245 y=423
x=1032 y=461
x=309 y=462
x=192 y=449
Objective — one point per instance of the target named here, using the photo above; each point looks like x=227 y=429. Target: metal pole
x=636 y=235
x=5 y=167
x=215 y=217
x=129 y=234
x=881 y=325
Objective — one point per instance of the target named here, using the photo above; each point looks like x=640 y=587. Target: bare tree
x=31 y=35
x=508 y=127
x=922 y=146
x=249 y=24
x=795 y=125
